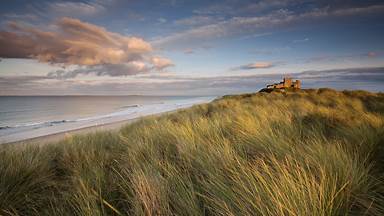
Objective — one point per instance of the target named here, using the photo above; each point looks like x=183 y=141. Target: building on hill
x=287 y=83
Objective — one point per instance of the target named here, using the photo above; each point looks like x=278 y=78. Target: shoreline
x=56 y=137
x=59 y=132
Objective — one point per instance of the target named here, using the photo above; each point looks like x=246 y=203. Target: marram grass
x=312 y=152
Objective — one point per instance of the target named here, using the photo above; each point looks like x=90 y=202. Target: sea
x=25 y=117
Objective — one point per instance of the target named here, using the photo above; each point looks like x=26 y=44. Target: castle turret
x=297 y=84
x=287 y=82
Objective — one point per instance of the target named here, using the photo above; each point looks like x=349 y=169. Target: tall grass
x=312 y=152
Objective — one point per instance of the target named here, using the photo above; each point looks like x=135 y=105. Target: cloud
x=197 y=49
x=246 y=25
x=113 y=70
x=266 y=5
x=160 y=63
x=198 y=20
x=256 y=65
x=162 y=20
x=230 y=7
x=372 y=54
x=301 y=40
x=352 y=78
x=214 y=9
x=22 y=17
x=77 y=43
x=345 y=57
x=189 y=51
x=67 y=8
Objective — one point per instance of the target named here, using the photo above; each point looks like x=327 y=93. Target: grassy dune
x=312 y=152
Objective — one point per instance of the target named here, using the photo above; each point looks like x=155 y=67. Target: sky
x=188 y=47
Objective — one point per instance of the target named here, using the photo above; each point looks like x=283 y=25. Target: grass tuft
x=309 y=152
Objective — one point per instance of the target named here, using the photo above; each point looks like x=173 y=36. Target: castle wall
x=287 y=83
x=298 y=84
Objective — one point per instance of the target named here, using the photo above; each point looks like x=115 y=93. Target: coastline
x=226 y=145
x=59 y=132
x=56 y=137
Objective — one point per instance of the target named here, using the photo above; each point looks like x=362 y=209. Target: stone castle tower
x=287 y=83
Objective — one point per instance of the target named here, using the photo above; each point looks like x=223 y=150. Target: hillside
x=310 y=152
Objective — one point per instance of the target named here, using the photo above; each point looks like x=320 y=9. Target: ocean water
x=23 y=117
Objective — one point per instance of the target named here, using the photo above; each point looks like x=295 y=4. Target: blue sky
x=177 y=47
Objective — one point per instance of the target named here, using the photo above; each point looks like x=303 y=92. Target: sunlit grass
x=312 y=152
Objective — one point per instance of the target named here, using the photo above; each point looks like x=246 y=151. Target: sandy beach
x=56 y=137
x=109 y=122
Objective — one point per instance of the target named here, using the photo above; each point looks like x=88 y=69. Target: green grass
x=311 y=152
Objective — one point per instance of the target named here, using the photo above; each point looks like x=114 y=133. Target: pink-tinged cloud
x=160 y=63
x=260 y=65
x=77 y=43
x=188 y=51
x=372 y=54
x=256 y=65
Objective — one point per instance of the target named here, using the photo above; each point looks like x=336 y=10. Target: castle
x=287 y=83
